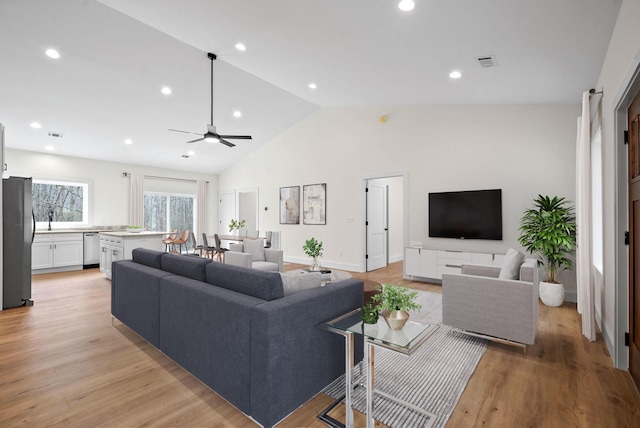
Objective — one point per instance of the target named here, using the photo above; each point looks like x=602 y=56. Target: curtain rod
x=593 y=92
x=156 y=177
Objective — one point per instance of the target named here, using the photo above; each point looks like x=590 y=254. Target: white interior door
x=227 y=211
x=377 y=227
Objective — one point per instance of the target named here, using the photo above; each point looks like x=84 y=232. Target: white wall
x=621 y=63
x=110 y=198
x=524 y=150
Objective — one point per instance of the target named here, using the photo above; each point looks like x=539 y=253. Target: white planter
x=551 y=294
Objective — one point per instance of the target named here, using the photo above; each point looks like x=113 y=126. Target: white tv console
x=423 y=264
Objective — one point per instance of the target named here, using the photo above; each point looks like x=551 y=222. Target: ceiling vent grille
x=487 y=61
x=55 y=134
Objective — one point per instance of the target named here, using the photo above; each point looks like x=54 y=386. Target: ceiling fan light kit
x=212 y=136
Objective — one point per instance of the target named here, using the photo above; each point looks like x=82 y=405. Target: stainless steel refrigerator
x=19 y=227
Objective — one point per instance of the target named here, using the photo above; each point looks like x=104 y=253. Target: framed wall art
x=290 y=205
x=314 y=198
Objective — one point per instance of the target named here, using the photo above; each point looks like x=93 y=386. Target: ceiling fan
x=211 y=136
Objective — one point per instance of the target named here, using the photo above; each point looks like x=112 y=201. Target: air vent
x=487 y=61
x=55 y=134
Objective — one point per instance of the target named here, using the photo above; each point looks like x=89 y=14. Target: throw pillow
x=255 y=247
x=295 y=282
x=511 y=265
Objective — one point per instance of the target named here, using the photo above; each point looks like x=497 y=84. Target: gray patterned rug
x=432 y=378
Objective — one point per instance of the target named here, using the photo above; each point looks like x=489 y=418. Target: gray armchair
x=480 y=303
x=252 y=254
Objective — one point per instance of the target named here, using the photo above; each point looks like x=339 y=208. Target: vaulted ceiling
x=116 y=55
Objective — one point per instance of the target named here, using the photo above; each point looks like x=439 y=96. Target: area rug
x=432 y=378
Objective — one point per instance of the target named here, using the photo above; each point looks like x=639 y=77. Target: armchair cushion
x=255 y=247
x=511 y=265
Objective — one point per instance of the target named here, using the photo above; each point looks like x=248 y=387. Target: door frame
x=629 y=87
x=363 y=209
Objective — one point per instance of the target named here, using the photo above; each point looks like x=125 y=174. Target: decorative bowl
x=135 y=229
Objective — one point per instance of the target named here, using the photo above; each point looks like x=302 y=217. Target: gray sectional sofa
x=232 y=328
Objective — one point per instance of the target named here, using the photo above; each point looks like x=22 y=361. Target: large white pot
x=551 y=294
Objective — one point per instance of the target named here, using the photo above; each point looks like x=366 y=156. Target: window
x=165 y=211
x=60 y=203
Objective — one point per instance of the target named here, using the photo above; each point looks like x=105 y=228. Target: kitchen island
x=117 y=245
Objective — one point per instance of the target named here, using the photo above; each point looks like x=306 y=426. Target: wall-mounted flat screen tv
x=474 y=214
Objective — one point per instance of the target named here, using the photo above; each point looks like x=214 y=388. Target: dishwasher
x=91 y=257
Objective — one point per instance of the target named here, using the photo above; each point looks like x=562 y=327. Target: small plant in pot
x=549 y=230
x=236 y=225
x=313 y=249
x=394 y=301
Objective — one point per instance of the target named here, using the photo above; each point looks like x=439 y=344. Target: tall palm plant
x=549 y=229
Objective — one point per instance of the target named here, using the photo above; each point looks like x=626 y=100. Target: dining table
x=236 y=238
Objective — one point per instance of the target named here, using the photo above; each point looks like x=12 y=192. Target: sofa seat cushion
x=151 y=258
x=255 y=247
x=261 y=284
x=190 y=267
x=295 y=282
x=511 y=265
x=265 y=266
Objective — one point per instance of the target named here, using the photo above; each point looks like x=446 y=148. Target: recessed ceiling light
x=191 y=153
x=455 y=75
x=52 y=53
x=35 y=125
x=406 y=5
x=313 y=85
x=237 y=113
x=50 y=148
x=128 y=141
x=166 y=90
x=241 y=47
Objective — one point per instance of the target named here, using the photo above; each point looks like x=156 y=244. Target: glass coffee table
x=404 y=341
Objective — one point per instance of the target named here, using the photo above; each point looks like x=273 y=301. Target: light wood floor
x=62 y=363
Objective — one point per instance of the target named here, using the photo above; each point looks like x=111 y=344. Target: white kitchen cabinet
x=119 y=245
x=56 y=252
x=432 y=264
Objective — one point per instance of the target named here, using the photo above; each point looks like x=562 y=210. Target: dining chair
x=196 y=248
x=182 y=239
x=209 y=250
x=169 y=240
x=267 y=239
x=219 y=251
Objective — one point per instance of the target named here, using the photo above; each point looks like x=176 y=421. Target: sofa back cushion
x=190 y=267
x=255 y=247
x=252 y=282
x=147 y=257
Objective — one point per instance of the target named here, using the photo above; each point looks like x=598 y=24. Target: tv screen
x=475 y=214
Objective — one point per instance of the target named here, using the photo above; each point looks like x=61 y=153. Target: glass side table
x=404 y=341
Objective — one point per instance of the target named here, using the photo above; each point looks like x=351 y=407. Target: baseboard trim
x=571 y=296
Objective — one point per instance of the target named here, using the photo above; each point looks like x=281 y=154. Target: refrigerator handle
x=33 y=231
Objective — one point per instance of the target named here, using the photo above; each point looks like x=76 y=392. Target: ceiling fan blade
x=185 y=132
x=226 y=143
x=195 y=141
x=237 y=137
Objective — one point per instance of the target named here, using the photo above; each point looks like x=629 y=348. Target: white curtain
x=136 y=201
x=584 y=258
x=201 y=203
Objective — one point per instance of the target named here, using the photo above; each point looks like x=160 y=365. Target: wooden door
x=633 y=117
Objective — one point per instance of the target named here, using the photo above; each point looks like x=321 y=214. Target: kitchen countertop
x=45 y=232
x=123 y=233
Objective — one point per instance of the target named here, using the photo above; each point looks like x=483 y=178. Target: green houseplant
x=313 y=249
x=236 y=224
x=394 y=301
x=549 y=230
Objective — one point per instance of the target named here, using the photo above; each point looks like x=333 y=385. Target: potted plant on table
x=236 y=225
x=313 y=249
x=394 y=301
x=549 y=229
